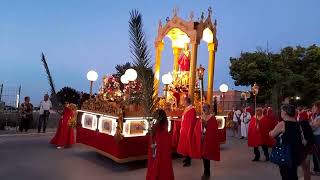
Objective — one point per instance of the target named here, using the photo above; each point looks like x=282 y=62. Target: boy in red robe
x=159 y=158
x=254 y=136
x=65 y=133
x=186 y=146
x=210 y=146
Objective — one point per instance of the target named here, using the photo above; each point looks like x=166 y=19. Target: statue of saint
x=184 y=59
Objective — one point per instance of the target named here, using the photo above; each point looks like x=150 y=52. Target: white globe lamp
x=223 y=88
x=131 y=74
x=167 y=79
x=92 y=76
x=124 y=79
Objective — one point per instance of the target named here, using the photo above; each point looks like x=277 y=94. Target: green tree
x=141 y=60
x=68 y=94
x=121 y=69
x=291 y=72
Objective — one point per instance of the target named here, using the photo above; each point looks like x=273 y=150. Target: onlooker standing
x=236 y=121
x=26 y=109
x=289 y=131
x=315 y=124
x=45 y=107
x=245 y=119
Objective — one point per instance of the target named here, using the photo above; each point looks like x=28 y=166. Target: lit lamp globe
x=224 y=88
x=124 y=79
x=167 y=79
x=131 y=74
x=92 y=76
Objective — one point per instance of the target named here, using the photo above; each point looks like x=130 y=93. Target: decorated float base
x=98 y=132
x=127 y=150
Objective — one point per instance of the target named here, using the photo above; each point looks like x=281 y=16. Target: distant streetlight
x=166 y=80
x=92 y=76
x=223 y=88
x=298 y=98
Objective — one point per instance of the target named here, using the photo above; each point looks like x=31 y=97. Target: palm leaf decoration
x=140 y=54
x=56 y=105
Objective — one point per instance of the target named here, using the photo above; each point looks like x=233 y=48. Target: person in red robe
x=187 y=142
x=267 y=124
x=64 y=136
x=210 y=146
x=254 y=135
x=159 y=156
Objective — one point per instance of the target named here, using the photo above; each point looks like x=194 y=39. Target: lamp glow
x=124 y=79
x=167 y=79
x=207 y=35
x=92 y=75
x=224 y=88
x=131 y=74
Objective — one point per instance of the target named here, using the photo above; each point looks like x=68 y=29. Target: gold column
x=192 y=73
x=176 y=53
x=211 y=65
x=159 y=47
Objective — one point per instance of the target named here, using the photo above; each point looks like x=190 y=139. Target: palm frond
x=54 y=99
x=140 y=54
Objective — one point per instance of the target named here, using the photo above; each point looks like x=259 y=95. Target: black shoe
x=267 y=159
x=186 y=164
x=206 y=176
x=242 y=137
x=255 y=159
x=185 y=161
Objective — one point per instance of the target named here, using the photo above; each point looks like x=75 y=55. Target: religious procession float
x=114 y=123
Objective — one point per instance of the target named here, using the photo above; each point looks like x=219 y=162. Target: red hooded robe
x=160 y=167
x=65 y=134
x=254 y=136
x=266 y=124
x=187 y=140
x=211 y=145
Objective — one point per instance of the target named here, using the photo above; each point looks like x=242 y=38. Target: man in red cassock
x=159 y=157
x=187 y=146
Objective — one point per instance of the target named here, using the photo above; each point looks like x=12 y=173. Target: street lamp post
x=200 y=72
x=223 y=88
x=255 y=91
x=166 y=80
x=92 y=76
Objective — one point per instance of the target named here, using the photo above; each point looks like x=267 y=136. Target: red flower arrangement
x=110 y=88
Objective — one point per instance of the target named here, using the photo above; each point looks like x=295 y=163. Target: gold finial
x=209 y=11
x=191 y=16
x=175 y=11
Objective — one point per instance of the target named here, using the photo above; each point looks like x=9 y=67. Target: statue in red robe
x=64 y=136
x=184 y=60
x=187 y=142
x=159 y=156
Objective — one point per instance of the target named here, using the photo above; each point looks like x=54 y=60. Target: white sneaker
x=59 y=147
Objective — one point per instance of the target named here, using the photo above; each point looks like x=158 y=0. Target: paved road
x=32 y=158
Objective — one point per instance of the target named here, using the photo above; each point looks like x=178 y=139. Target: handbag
x=281 y=153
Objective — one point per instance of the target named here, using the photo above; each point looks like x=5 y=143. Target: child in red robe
x=187 y=143
x=210 y=146
x=159 y=158
x=65 y=133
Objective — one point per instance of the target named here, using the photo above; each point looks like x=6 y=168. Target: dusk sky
x=77 y=36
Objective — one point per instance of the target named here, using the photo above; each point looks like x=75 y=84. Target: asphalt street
x=30 y=157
